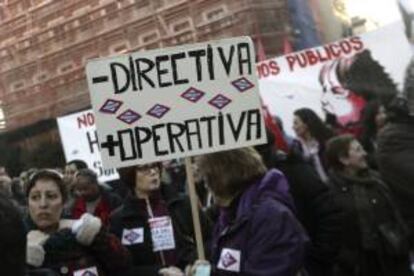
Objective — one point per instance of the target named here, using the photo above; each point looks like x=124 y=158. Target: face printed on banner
x=337 y=100
x=147 y=178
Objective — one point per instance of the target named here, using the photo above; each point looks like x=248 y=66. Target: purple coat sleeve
x=276 y=242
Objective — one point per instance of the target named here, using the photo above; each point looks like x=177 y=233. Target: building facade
x=45 y=44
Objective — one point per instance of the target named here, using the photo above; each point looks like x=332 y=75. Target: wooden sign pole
x=194 y=208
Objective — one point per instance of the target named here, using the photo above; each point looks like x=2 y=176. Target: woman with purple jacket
x=256 y=232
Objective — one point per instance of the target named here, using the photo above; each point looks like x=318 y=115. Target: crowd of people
x=337 y=203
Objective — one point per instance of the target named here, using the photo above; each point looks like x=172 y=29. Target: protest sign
x=315 y=78
x=176 y=102
x=80 y=141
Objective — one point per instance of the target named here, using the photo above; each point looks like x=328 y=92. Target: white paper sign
x=229 y=260
x=176 y=102
x=80 y=141
x=133 y=236
x=162 y=233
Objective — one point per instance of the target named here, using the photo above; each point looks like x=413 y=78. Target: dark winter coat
x=367 y=206
x=258 y=234
x=64 y=255
x=132 y=215
x=395 y=155
x=319 y=214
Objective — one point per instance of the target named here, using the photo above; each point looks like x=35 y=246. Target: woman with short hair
x=67 y=247
x=256 y=232
x=374 y=238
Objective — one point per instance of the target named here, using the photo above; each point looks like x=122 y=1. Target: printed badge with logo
x=229 y=260
x=162 y=233
x=90 y=271
x=132 y=236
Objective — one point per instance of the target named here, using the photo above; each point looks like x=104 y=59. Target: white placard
x=162 y=233
x=176 y=102
x=80 y=141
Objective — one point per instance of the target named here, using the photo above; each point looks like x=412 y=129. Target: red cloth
x=272 y=126
x=102 y=210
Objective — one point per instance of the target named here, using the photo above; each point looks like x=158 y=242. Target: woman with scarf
x=67 y=247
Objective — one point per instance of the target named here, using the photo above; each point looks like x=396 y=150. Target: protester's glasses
x=147 y=168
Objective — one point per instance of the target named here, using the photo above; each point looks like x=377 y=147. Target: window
x=120 y=48
x=65 y=68
x=18 y=85
x=42 y=77
x=142 y=3
x=111 y=8
x=149 y=37
x=215 y=14
x=181 y=26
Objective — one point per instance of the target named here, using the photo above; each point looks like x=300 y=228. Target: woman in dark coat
x=67 y=247
x=374 y=238
x=148 y=204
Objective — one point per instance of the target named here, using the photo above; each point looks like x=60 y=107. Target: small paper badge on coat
x=229 y=260
x=90 y=271
x=132 y=236
x=162 y=233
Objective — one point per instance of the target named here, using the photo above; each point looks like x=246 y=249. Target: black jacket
x=145 y=261
x=367 y=205
x=316 y=210
x=396 y=164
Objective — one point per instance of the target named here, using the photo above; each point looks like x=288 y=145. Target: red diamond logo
x=110 y=106
x=158 y=111
x=219 y=101
x=129 y=116
x=193 y=95
x=242 y=84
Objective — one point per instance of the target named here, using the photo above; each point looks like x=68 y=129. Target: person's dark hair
x=47 y=174
x=230 y=172
x=369 y=126
x=279 y=123
x=268 y=150
x=88 y=173
x=367 y=78
x=315 y=125
x=79 y=164
x=127 y=175
x=12 y=239
x=336 y=148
